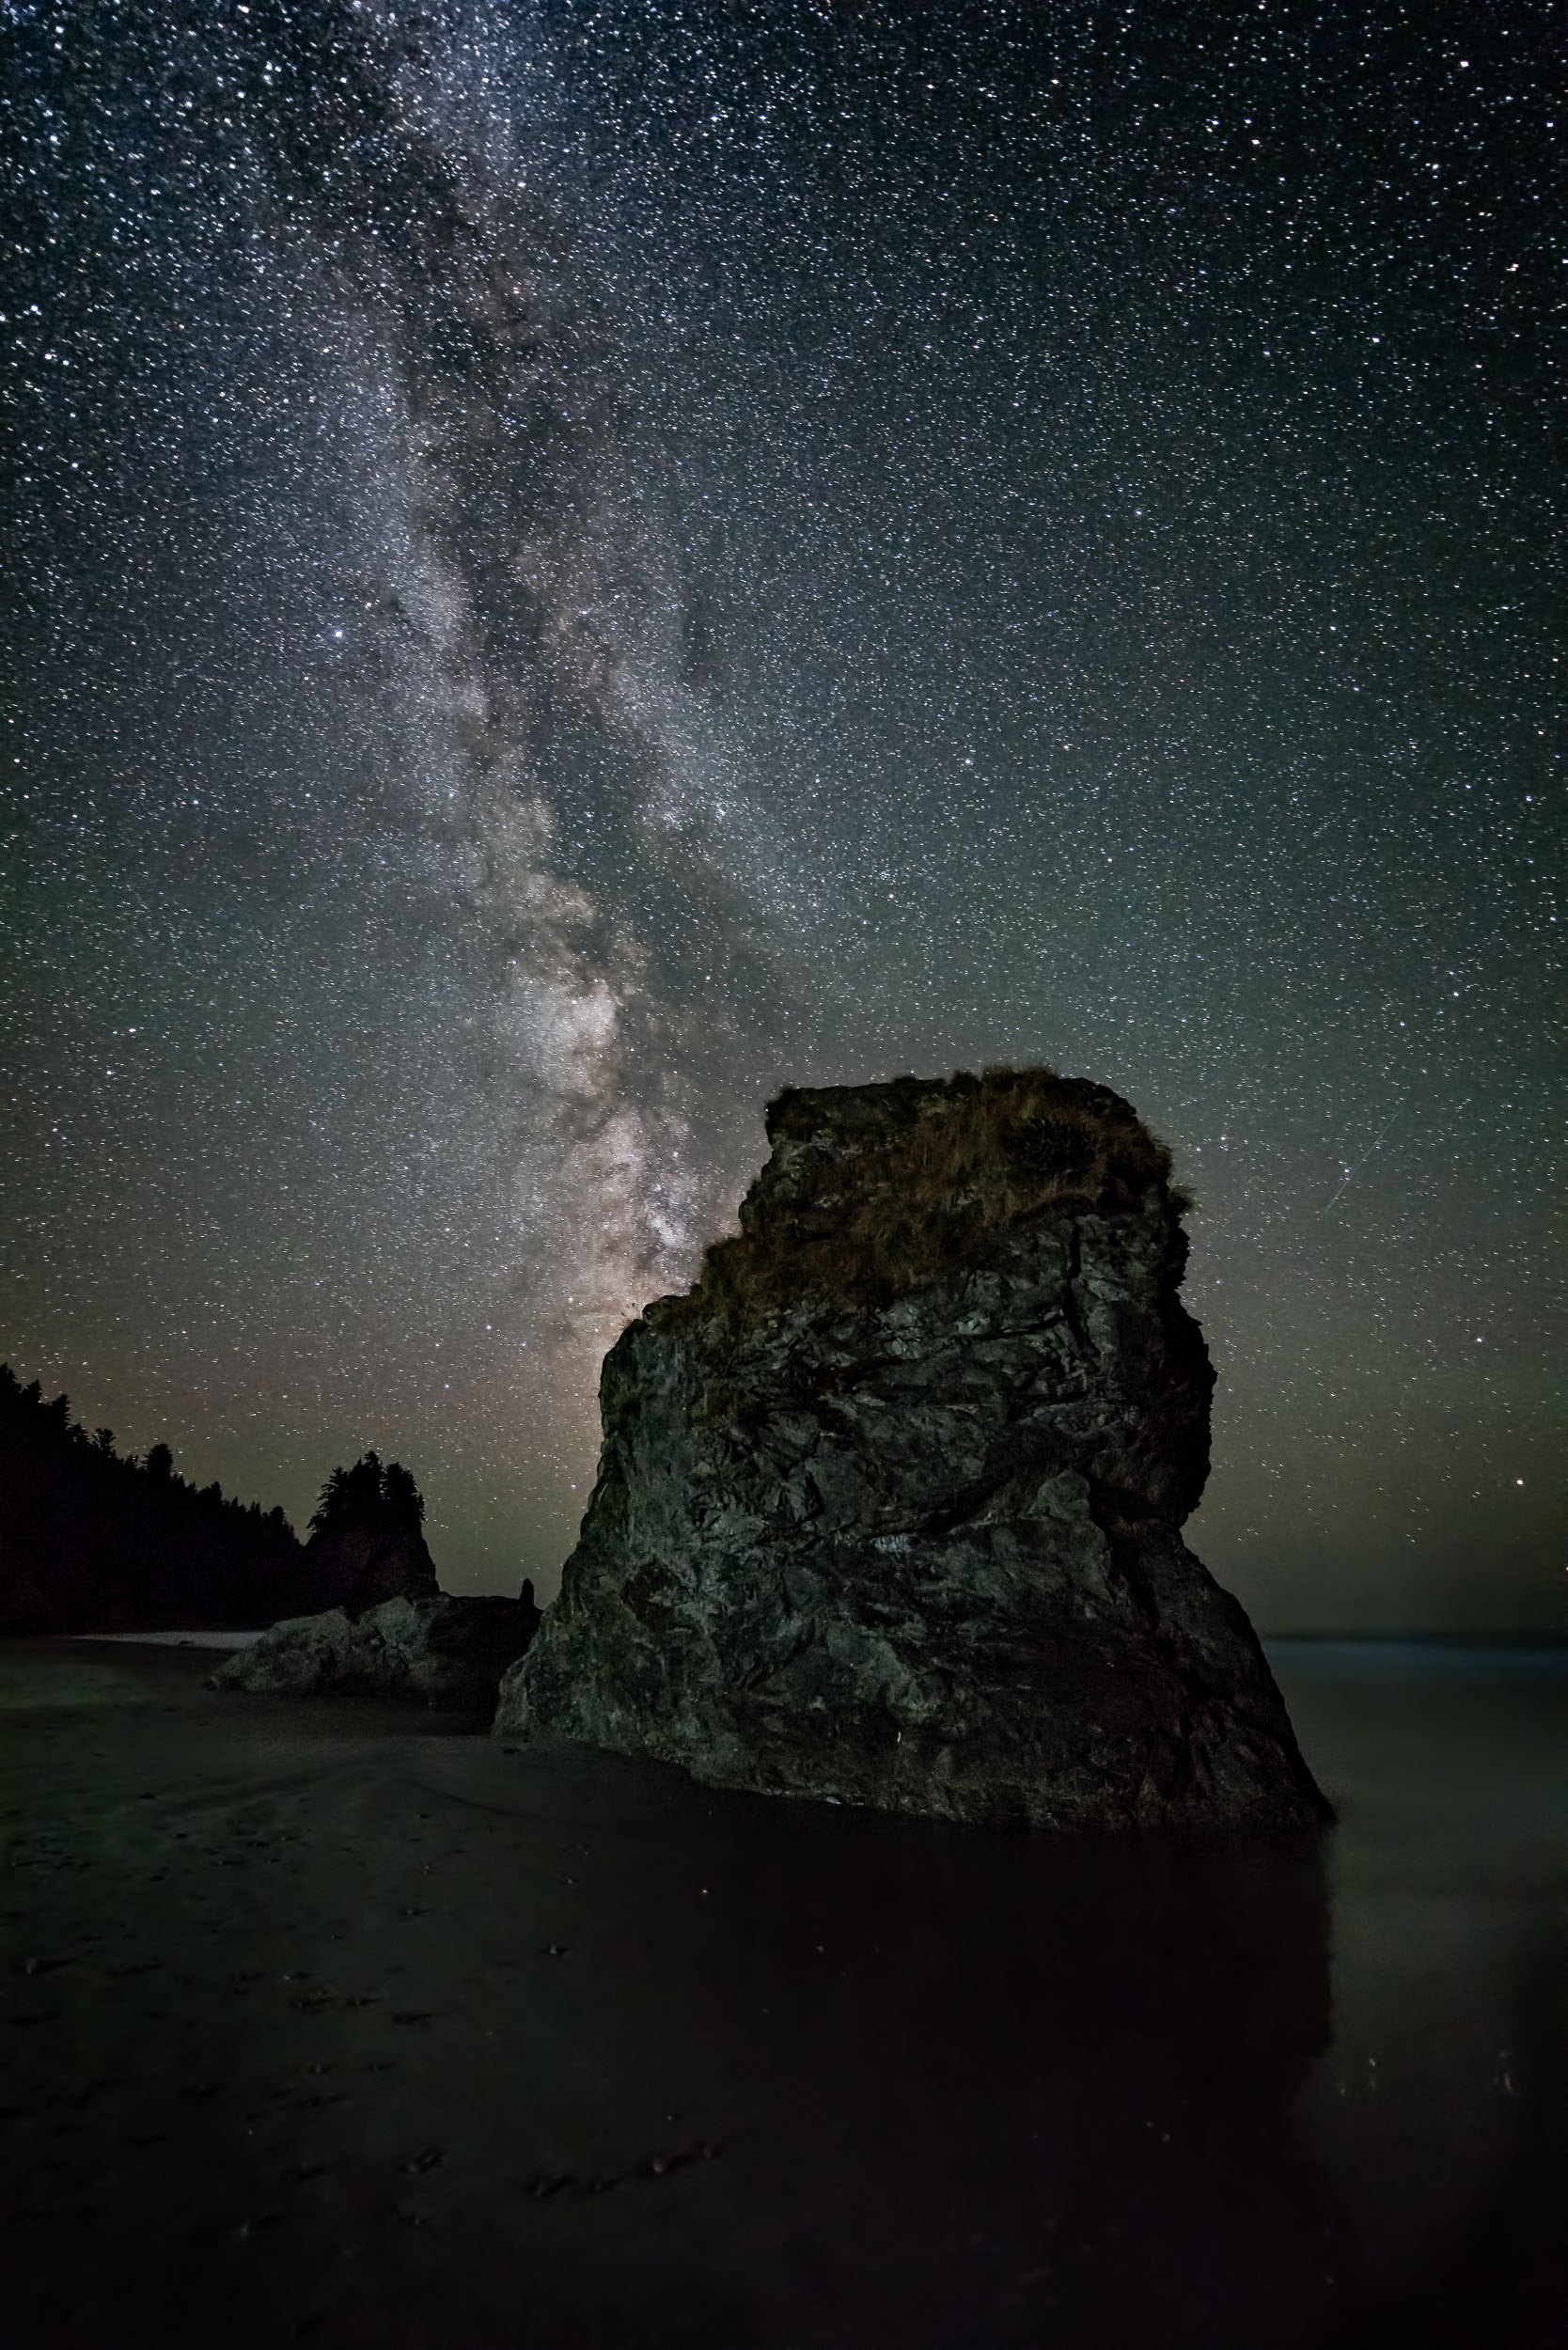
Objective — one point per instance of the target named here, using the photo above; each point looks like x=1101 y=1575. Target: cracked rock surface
x=440 y=1651
x=890 y=1507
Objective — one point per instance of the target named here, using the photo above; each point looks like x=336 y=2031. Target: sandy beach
x=349 y=2025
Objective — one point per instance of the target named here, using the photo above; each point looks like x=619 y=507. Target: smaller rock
x=365 y=1540
x=438 y=1650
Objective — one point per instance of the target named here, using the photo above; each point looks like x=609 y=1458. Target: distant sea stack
x=889 y=1506
x=367 y=1540
x=386 y=1629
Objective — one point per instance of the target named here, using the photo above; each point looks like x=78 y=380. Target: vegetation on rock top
x=873 y=1190
x=376 y=1497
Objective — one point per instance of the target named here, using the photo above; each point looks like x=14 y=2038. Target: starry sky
x=571 y=565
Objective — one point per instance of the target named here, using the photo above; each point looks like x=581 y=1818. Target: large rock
x=442 y=1652
x=888 y=1507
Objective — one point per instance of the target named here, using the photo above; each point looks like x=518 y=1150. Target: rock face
x=888 y=1507
x=422 y=1652
x=361 y=1567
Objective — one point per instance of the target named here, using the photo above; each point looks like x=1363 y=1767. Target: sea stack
x=889 y=1506
x=367 y=1544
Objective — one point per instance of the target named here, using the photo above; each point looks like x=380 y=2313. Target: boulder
x=889 y=1506
x=437 y=1650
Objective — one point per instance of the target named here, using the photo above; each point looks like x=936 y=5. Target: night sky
x=573 y=565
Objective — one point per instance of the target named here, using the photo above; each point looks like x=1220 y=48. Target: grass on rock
x=874 y=1190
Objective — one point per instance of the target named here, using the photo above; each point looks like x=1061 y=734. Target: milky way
x=580 y=564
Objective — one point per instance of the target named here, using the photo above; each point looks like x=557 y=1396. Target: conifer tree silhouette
x=91 y=1540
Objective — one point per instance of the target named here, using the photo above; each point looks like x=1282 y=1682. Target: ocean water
x=172 y=1640
x=1437 y=2114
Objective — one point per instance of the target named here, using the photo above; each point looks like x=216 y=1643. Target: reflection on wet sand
x=322 y=2025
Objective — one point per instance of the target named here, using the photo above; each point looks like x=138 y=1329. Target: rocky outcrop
x=361 y=1567
x=888 y=1507
x=367 y=1542
x=437 y=1650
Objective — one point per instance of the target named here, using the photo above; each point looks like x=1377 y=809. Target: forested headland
x=92 y=1540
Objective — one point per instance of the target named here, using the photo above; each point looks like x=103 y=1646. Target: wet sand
x=336 y=2024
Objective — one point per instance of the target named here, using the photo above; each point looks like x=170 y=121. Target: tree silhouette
x=91 y=1540
x=382 y=1499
